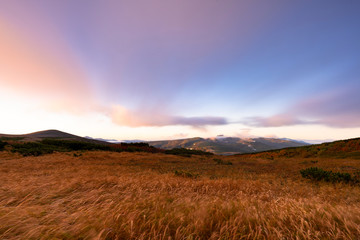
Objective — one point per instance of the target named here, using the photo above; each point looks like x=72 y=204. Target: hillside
x=54 y=134
x=338 y=149
x=222 y=146
x=228 y=145
x=112 y=195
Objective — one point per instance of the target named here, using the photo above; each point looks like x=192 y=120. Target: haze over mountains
x=229 y=145
x=219 y=145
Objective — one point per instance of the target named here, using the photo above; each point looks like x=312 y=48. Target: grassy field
x=110 y=195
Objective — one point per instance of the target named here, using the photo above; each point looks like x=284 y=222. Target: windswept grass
x=110 y=195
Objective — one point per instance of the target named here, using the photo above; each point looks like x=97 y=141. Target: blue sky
x=167 y=69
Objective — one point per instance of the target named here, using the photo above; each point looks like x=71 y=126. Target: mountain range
x=219 y=145
x=229 y=145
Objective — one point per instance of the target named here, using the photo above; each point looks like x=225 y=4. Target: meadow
x=140 y=195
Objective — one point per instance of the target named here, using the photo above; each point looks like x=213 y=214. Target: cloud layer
x=185 y=63
x=337 y=108
x=125 y=117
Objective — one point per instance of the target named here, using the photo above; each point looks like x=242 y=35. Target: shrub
x=136 y=144
x=356 y=177
x=11 y=138
x=318 y=174
x=2 y=145
x=48 y=146
x=186 y=152
x=221 y=162
x=135 y=147
x=71 y=145
x=186 y=174
x=32 y=148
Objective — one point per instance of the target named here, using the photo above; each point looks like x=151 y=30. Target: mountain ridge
x=336 y=149
x=217 y=145
x=228 y=145
x=51 y=133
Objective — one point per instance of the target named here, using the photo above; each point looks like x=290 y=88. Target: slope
x=54 y=134
x=228 y=145
x=349 y=148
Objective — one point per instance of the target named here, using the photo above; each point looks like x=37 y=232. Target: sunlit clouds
x=337 y=108
x=161 y=69
x=124 y=117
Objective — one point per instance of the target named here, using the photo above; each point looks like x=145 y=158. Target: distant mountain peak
x=228 y=145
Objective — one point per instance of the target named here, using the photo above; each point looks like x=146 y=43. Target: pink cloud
x=338 y=108
x=125 y=117
x=274 y=121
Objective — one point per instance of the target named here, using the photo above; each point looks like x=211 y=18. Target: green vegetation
x=71 y=145
x=221 y=162
x=2 y=145
x=32 y=149
x=11 y=138
x=186 y=152
x=51 y=145
x=135 y=147
x=186 y=174
x=48 y=146
x=318 y=174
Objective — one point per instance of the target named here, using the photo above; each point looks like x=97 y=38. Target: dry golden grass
x=104 y=195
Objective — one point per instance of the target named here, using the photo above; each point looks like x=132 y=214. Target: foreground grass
x=106 y=195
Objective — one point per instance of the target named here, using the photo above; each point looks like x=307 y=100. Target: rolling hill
x=54 y=134
x=228 y=145
x=223 y=145
x=337 y=149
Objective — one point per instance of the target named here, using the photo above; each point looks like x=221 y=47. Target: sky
x=160 y=69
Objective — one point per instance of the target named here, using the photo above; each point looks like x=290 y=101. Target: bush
x=221 y=162
x=135 y=147
x=356 y=177
x=186 y=174
x=32 y=149
x=48 y=146
x=2 y=145
x=136 y=144
x=11 y=138
x=186 y=152
x=318 y=174
x=70 y=145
